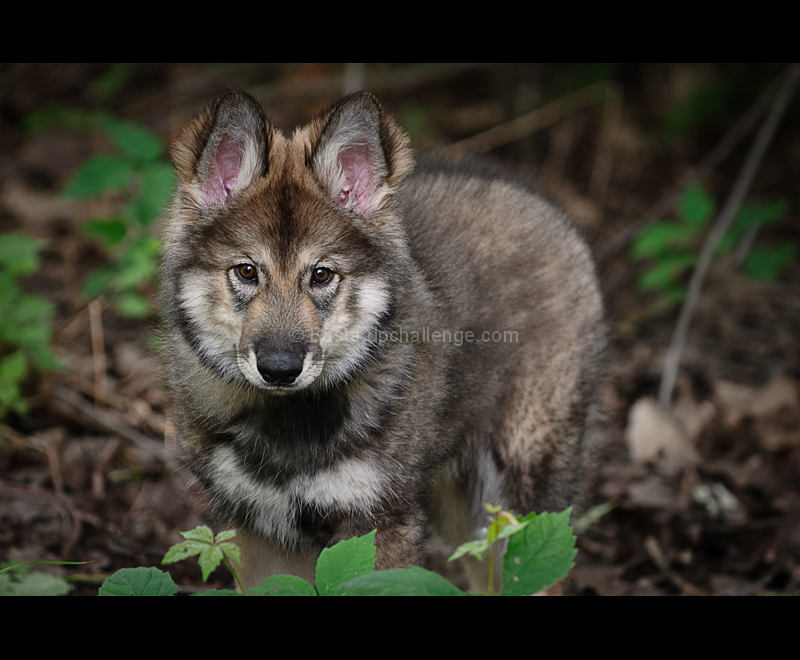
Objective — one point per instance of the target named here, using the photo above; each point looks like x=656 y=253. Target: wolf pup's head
x=283 y=255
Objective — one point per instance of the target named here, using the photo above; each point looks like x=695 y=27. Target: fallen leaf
x=654 y=435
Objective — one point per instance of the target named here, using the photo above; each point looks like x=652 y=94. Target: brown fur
x=318 y=411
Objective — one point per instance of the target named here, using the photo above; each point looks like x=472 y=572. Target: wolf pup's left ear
x=359 y=154
x=223 y=151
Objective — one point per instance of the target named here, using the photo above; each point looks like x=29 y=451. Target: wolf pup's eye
x=246 y=273
x=320 y=276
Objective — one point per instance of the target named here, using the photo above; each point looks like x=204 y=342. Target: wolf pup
x=356 y=344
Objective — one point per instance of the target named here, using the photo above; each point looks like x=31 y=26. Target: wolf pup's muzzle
x=280 y=365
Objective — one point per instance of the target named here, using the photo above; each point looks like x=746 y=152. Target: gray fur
x=451 y=358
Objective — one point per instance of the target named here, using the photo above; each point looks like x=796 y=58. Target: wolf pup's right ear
x=359 y=154
x=222 y=151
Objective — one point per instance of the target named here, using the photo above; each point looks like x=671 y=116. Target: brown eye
x=246 y=273
x=321 y=275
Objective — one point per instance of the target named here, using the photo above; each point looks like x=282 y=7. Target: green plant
x=25 y=321
x=137 y=169
x=672 y=246
x=20 y=580
x=540 y=551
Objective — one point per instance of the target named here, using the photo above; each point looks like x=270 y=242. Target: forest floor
x=705 y=503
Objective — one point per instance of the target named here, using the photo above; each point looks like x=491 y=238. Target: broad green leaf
x=19 y=252
x=34 y=583
x=110 y=231
x=134 y=140
x=156 y=183
x=34 y=307
x=662 y=275
x=662 y=238
x=98 y=281
x=13 y=367
x=111 y=81
x=696 y=206
x=132 y=306
x=139 y=265
x=344 y=561
x=670 y=296
x=225 y=535
x=412 y=581
x=761 y=213
x=100 y=174
x=540 y=555
x=766 y=263
x=283 y=585
x=138 y=582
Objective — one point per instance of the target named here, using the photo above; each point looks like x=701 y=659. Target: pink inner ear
x=357 y=187
x=224 y=172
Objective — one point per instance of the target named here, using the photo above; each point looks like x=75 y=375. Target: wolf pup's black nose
x=280 y=368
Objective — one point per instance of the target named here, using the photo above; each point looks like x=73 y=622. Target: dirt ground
x=705 y=503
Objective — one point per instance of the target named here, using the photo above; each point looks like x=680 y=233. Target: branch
x=716 y=156
x=723 y=222
x=531 y=122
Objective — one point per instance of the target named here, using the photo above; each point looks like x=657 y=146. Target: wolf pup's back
x=353 y=346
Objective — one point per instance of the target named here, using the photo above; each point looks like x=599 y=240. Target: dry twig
x=110 y=422
x=721 y=225
x=716 y=156
x=526 y=124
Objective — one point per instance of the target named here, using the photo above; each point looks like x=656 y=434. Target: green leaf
x=728 y=242
x=767 y=263
x=761 y=213
x=696 y=206
x=155 y=190
x=110 y=231
x=132 y=306
x=98 y=281
x=200 y=541
x=183 y=550
x=344 y=561
x=25 y=566
x=210 y=559
x=139 y=265
x=138 y=582
x=232 y=551
x=474 y=548
x=132 y=139
x=34 y=583
x=13 y=367
x=283 y=585
x=100 y=174
x=540 y=555
x=590 y=517
x=662 y=238
x=19 y=253
x=662 y=275
x=412 y=581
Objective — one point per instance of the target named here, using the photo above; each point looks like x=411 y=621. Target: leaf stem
x=492 y=567
x=235 y=575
